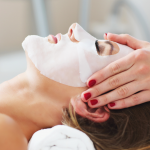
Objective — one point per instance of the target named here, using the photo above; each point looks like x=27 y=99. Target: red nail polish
x=112 y=104
x=87 y=96
x=92 y=83
x=94 y=102
x=106 y=34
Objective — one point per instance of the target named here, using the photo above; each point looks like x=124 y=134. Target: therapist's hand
x=123 y=83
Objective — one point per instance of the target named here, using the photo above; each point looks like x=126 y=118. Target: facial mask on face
x=72 y=63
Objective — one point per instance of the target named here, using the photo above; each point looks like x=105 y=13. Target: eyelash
x=97 y=48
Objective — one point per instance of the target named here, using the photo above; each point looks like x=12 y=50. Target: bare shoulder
x=11 y=137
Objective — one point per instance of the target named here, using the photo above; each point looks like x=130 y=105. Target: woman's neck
x=35 y=101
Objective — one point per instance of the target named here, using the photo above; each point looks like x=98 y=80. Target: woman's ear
x=100 y=114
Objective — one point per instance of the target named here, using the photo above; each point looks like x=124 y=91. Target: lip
x=58 y=36
x=52 y=39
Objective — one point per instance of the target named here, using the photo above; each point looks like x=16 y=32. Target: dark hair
x=126 y=129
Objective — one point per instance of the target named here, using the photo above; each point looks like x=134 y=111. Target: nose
x=71 y=33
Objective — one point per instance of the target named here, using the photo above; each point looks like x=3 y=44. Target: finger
x=119 y=93
x=105 y=36
x=115 y=67
x=109 y=84
x=126 y=39
x=136 y=99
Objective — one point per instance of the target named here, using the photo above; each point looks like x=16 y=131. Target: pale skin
x=30 y=102
x=33 y=102
x=126 y=81
x=106 y=48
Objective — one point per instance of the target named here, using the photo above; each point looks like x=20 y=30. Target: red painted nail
x=106 y=34
x=112 y=104
x=87 y=96
x=92 y=83
x=94 y=102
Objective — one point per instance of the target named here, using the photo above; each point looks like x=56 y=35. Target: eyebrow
x=112 y=47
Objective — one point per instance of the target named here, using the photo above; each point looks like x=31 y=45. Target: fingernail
x=94 y=102
x=112 y=104
x=92 y=83
x=106 y=34
x=87 y=96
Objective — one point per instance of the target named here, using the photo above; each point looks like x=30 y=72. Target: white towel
x=60 y=137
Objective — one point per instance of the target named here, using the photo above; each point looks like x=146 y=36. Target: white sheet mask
x=68 y=62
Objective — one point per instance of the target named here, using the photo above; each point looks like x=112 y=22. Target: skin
x=33 y=102
x=107 y=48
x=19 y=101
x=9 y=128
x=128 y=76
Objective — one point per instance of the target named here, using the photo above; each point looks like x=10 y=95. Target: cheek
x=65 y=54
x=94 y=61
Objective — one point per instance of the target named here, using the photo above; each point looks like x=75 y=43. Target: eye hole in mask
x=106 y=48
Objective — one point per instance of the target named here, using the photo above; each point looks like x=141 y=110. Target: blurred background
x=19 y=18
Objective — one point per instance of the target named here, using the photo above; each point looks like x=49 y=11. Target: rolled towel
x=60 y=137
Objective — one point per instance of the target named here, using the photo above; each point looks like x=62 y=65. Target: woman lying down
x=48 y=94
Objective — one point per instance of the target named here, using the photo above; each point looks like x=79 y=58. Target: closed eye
x=99 y=48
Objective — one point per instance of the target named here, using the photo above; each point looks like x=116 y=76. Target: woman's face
x=69 y=59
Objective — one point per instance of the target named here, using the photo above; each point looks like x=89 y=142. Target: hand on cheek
x=123 y=83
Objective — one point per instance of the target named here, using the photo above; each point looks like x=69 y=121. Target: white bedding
x=60 y=137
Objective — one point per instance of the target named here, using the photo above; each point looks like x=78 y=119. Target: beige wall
x=14 y=23
x=62 y=13
x=17 y=21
